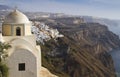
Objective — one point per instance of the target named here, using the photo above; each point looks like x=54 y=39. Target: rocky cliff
x=83 y=52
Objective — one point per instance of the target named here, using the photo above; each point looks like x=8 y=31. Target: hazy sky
x=98 y=8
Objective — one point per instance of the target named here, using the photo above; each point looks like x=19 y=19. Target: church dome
x=16 y=17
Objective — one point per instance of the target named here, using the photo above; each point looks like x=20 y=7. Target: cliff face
x=83 y=52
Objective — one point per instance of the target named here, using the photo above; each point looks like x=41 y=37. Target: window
x=21 y=67
x=18 y=31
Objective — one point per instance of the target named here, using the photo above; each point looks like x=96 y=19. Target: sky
x=97 y=8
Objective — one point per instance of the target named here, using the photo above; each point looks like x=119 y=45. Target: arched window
x=18 y=31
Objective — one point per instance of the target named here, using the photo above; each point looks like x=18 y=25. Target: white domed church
x=24 y=58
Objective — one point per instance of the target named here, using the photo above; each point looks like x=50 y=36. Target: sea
x=116 y=58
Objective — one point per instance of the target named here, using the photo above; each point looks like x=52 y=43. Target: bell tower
x=16 y=24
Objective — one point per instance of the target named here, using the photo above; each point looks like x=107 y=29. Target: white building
x=24 y=58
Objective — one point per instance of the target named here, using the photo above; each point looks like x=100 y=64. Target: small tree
x=3 y=55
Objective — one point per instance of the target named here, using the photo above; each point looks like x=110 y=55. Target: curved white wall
x=22 y=56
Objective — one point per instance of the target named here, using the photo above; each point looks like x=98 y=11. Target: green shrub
x=3 y=55
x=3 y=70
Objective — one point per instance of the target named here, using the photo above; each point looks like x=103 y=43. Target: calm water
x=116 y=58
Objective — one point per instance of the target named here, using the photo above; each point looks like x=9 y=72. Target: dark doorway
x=18 y=31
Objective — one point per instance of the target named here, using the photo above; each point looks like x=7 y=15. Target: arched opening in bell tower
x=18 y=31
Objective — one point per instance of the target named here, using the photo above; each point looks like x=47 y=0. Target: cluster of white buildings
x=44 y=32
